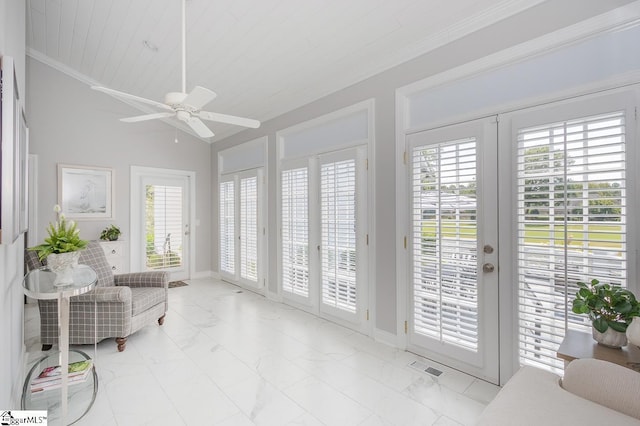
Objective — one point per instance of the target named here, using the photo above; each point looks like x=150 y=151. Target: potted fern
x=610 y=308
x=61 y=249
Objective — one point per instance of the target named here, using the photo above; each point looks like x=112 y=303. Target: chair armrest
x=105 y=294
x=143 y=279
x=604 y=383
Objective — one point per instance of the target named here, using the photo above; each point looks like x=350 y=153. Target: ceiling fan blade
x=200 y=128
x=131 y=97
x=148 y=117
x=199 y=97
x=229 y=119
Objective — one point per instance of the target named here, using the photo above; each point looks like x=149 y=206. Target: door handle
x=488 y=267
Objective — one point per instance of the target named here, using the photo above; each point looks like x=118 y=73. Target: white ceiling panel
x=262 y=57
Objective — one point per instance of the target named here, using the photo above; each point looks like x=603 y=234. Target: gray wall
x=537 y=21
x=12 y=43
x=71 y=124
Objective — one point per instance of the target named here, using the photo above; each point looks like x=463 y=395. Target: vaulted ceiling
x=262 y=57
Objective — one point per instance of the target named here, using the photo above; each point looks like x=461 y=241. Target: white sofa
x=592 y=392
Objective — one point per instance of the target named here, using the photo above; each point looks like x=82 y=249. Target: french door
x=323 y=241
x=574 y=200
x=161 y=234
x=452 y=244
x=241 y=228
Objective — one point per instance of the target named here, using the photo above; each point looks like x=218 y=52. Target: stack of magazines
x=51 y=377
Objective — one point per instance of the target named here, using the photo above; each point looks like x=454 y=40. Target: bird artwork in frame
x=85 y=192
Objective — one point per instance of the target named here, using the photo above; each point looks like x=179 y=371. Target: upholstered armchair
x=124 y=303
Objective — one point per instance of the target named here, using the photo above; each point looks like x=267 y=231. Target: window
x=249 y=228
x=323 y=234
x=295 y=231
x=163 y=223
x=338 y=222
x=227 y=227
x=241 y=227
x=444 y=233
x=571 y=224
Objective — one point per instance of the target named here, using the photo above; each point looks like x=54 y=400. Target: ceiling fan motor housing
x=174 y=98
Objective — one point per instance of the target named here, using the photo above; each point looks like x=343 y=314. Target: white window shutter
x=164 y=223
x=444 y=242
x=227 y=227
x=295 y=231
x=249 y=228
x=571 y=222
x=338 y=235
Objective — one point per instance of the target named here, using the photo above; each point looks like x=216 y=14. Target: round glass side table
x=39 y=284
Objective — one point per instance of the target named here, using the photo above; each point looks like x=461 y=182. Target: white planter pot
x=633 y=331
x=610 y=338
x=62 y=264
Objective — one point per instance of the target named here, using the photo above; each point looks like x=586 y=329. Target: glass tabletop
x=39 y=283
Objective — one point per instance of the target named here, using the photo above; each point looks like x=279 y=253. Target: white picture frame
x=86 y=192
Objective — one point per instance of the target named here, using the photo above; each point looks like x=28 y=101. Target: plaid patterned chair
x=125 y=303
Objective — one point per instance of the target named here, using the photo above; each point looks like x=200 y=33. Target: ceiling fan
x=186 y=107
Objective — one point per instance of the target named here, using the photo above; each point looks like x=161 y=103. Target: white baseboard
x=203 y=274
x=272 y=296
x=386 y=338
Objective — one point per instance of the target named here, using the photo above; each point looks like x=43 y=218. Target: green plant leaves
x=617 y=326
x=63 y=237
x=600 y=324
x=606 y=305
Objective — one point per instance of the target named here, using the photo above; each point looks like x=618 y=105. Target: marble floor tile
x=228 y=356
x=327 y=404
x=262 y=403
x=482 y=391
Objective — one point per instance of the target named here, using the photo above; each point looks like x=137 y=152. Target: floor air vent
x=421 y=366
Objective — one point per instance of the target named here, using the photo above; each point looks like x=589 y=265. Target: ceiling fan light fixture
x=183 y=116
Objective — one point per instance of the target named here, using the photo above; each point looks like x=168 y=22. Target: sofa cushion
x=607 y=384
x=143 y=298
x=534 y=397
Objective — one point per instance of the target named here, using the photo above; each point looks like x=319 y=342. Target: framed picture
x=85 y=192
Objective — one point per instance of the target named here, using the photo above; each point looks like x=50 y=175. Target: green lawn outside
x=602 y=235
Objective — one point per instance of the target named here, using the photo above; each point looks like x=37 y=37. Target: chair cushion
x=32 y=260
x=605 y=383
x=143 y=298
x=94 y=256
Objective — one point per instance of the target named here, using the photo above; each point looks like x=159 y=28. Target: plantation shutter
x=227 y=227
x=338 y=236
x=295 y=231
x=444 y=242
x=571 y=225
x=249 y=228
x=164 y=226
